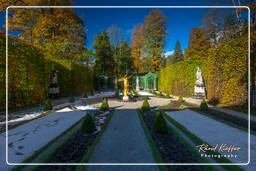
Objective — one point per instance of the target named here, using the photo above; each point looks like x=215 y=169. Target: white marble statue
x=199 y=91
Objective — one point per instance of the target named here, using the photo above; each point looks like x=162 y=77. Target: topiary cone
x=159 y=124
x=88 y=125
x=145 y=106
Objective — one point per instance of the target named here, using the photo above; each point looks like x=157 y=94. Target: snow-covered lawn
x=32 y=115
x=24 y=140
x=145 y=93
x=216 y=133
x=103 y=94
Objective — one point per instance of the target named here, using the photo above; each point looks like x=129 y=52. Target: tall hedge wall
x=225 y=74
x=228 y=73
x=29 y=75
x=179 y=78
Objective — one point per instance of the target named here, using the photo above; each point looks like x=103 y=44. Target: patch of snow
x=24 y=118
x=102 y=94
x=36 y=133
x=33 y=115
x=87 y=107
x=144 y=93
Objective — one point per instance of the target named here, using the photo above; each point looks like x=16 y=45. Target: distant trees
x=58 y=32
x=221 y=48
x=155 y=38
x=178 y=54
x=116 y=38
x=198 y=45
x=137 y=47
x=48 y=39
x=148 y=42
x=103 y=54
x=125 y=62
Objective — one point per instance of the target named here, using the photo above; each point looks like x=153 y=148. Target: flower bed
x=74 y=149
x=172 y=150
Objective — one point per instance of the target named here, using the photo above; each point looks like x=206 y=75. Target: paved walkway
x=123 y=142
x=217 y=133
x=228 y=111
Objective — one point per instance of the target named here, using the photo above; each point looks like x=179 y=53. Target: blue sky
x=180 y=21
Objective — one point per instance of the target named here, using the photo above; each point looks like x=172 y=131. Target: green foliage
x=155 y=38
x=179 y=79
x=167 y=96
x=178 y=54
x=228 y=73
x=160 y=124
x=180 y=99
x=88 y=125
x=182 y=107
x=199 y=43
x=71 y=99
x=29 y=75
x=104 y=105
x=145 y=106
x=135 y=93
x=203 y=105
x=47 y=105
x=85 y=95
x=104 y=54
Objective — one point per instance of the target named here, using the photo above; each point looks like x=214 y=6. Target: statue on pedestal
x=54 y=87
x=126 y=87
x=199 y=91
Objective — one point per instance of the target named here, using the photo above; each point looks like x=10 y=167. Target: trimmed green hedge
x=179 y=78
x=29 y=75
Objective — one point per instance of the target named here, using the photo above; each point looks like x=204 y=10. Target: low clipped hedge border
x=91 y=148
x=179 y=136
x=197 y=140
x=151 y=142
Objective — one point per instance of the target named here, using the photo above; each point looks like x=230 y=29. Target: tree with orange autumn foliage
x=155 y=38
x=137 y=47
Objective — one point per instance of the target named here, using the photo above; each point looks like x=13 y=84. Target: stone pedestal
x=125 y=98
x=199 y=91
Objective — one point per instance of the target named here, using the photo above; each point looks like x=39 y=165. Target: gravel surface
x=123 y=141
x=214 y=132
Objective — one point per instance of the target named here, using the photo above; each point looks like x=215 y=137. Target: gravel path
x=123 y=141
x=214 y=132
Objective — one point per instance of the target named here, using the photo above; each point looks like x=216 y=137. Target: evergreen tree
x=103 y=54
x=125 y=62
x=178 y=54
